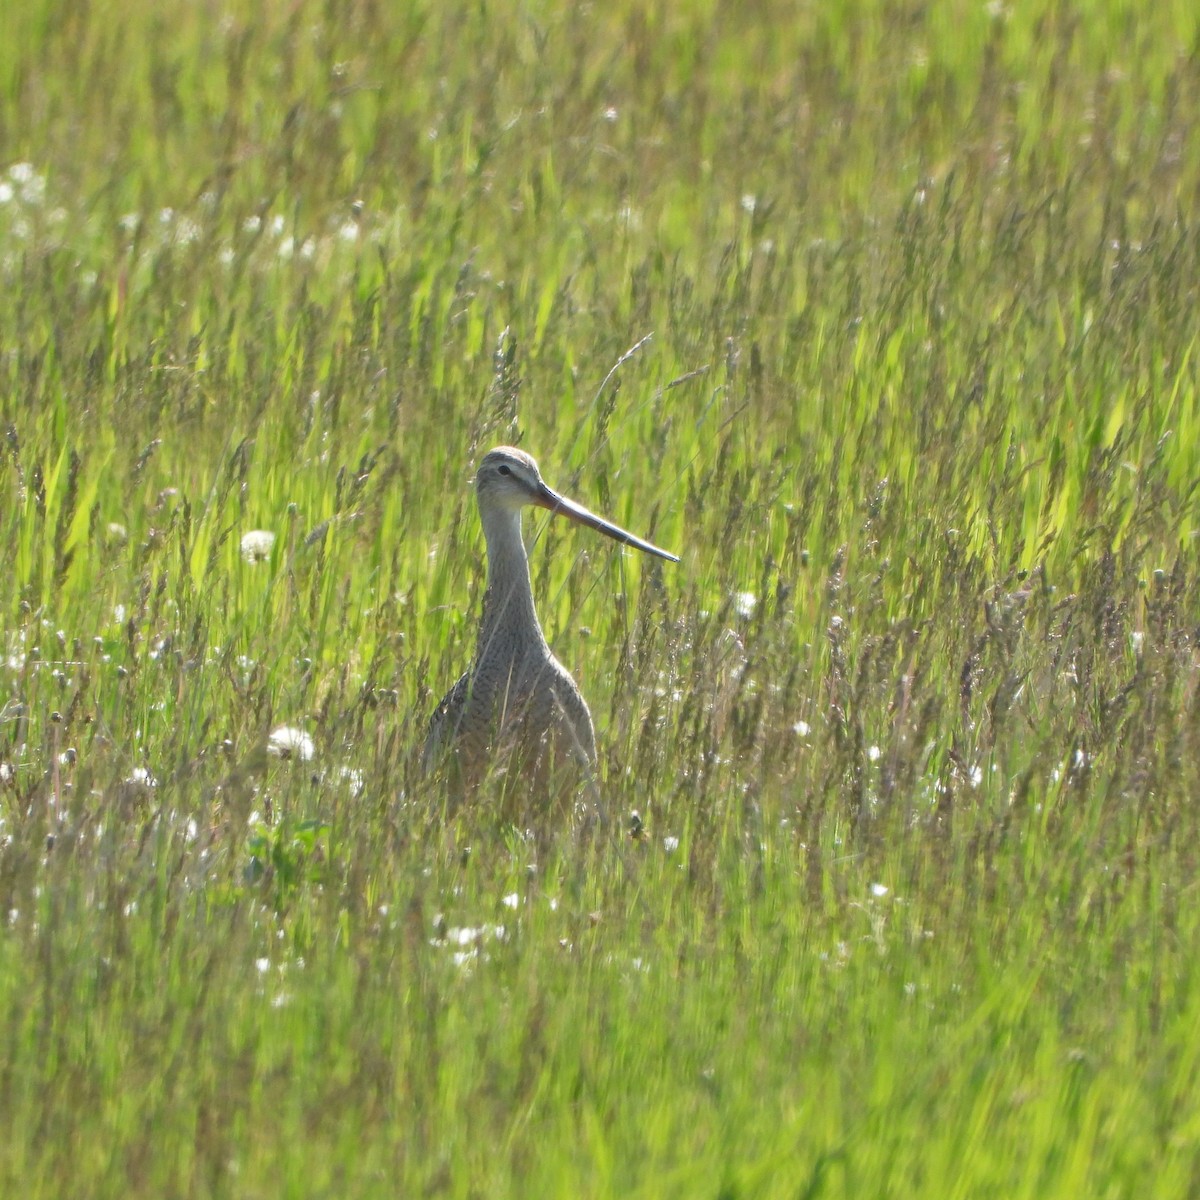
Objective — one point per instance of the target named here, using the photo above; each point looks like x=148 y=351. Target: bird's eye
x=504 y=470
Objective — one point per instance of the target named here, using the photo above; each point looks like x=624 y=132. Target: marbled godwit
x=517 y=700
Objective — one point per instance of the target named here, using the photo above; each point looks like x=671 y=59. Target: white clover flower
x=744 y=604
x=257 y=545
x=286 y=742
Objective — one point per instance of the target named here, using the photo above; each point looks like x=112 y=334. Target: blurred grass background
x=882 y=315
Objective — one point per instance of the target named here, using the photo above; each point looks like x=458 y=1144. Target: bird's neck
x=509 y=618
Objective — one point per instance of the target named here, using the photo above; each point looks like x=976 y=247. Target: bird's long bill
x=549 y=498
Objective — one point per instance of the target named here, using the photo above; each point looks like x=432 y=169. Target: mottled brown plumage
x=517 y=705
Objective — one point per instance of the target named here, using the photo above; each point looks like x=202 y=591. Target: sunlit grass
x=882 y=317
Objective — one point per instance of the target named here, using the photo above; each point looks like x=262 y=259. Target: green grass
x=883 y=316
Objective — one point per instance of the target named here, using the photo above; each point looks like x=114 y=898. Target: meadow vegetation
x=883 y=316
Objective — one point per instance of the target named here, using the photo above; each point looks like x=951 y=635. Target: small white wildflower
x=257 y=545
x=745 y=603
x=471 y=935
x=262 y=965
x=670 y=844
x=610 y=113
x=873 y=753
x=512 y=900
x=803 y=728
x=348 y=231
x=286 y=742
x=6 y=192
x=33 y=185
x=879 y=890
x=749 y=202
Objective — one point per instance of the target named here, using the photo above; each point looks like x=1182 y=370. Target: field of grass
x=883 y=316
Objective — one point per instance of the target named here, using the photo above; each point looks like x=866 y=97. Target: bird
x=517 y=708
